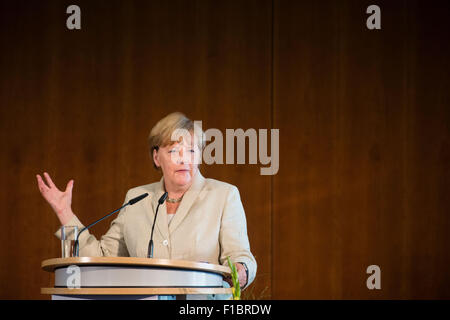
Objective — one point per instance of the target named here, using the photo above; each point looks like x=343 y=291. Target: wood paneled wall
x=364 y=168
x=363 y=115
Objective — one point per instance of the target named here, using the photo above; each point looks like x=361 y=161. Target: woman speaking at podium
x=201 y=220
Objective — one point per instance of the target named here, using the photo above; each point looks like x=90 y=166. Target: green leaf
x=235 y=280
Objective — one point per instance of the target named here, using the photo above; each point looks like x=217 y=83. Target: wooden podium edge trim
x=134 y=291
x=50 y=265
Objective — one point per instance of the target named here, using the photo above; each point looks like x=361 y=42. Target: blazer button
x=165 y=243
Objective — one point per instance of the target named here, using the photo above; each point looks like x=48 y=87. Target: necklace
x=174 y=200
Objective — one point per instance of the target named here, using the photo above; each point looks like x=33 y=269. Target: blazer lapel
x=187 y=201
x=161 y=219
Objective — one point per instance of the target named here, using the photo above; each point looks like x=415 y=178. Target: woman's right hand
x=61 y=202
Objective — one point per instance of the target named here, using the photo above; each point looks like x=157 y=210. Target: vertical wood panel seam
x=271 y=126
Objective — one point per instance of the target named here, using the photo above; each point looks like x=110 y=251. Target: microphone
x=131 y=202
x=137 y=199
x=150 y=244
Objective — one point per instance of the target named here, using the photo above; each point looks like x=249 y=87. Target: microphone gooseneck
x=131 y=202
x=150 y=244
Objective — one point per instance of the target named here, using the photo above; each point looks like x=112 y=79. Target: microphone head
x=163 y=198
x=138 y=198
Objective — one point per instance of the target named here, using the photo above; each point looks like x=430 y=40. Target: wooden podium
x=133 y=278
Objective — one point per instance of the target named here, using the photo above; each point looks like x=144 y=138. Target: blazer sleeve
x=111 y=244
x=233 y=235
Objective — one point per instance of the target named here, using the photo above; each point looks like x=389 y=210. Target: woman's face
x=178 y=162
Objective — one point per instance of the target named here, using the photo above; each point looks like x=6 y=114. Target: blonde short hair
x=161 y=133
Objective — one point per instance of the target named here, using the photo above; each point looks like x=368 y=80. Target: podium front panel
x=138 y=277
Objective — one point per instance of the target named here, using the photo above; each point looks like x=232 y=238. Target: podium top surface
x=50 y=265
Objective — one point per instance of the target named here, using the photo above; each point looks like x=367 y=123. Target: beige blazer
x=209 y=226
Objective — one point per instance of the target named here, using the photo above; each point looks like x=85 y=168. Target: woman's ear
x=155 y=158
